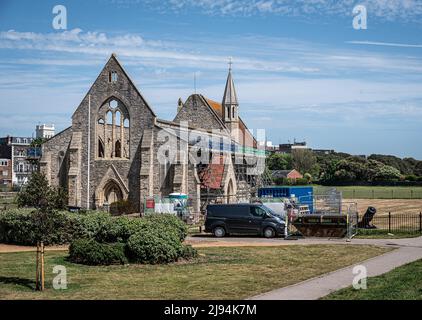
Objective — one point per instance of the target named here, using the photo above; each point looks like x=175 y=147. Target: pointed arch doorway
x=112 y=192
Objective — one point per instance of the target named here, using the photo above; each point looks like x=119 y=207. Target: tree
x=386 y=173
x=37 y=142
x=303 y=160
x=308 y=177
x=278 y=161
x=43 y=221
x=37 y=193
x=403 y=166
x=418 y=169
x=351 y=169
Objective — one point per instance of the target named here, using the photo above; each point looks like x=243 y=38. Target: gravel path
x=210 y=241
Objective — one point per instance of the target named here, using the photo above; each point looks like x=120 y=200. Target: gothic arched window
x=100 y=148
x=109 y=117
x=118 y=118
x=113 y=130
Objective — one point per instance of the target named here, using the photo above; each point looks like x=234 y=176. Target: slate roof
x=218 y=108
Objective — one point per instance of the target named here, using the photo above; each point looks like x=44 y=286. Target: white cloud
x=132 y=46
x=253 y=53
x=382 y=9
x=386 y=44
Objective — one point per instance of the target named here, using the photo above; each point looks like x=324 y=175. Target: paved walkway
x=408 y=250
x=6 y=248
x=211 y=241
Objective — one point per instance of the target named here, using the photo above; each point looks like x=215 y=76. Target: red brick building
x=289 y=174
x=5 y=174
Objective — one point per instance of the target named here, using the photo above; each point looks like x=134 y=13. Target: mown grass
x=375 y=192
x=384 y=234
x=403 y=283
x=218 y=273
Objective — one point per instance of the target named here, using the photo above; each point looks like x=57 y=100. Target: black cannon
x=365 y=223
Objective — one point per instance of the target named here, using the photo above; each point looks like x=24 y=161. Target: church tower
x=231 y=105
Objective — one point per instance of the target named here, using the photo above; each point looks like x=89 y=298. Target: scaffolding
x=330 y=217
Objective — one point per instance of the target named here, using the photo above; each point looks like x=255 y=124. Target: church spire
x=230 y=96
x=231 y=105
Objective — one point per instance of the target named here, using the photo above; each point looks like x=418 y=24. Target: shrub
x=122 y=207
x=119 y=229
x=189 y=252
x=153 y=245
x=292 y=182
x=15 y=227
x=308 y=177
x=411 y=178
x=301 y=181
x=59 y=198
x=93 y=225
x=91 y=252
x=170 y=223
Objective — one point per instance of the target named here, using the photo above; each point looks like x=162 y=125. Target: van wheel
x=269 y=232
x=219 y=232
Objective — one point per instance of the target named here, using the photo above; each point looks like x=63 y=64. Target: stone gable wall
x=55 y=158
x=141 y=118
x=198 y=114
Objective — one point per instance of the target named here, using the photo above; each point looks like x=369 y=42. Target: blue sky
x=301 y=70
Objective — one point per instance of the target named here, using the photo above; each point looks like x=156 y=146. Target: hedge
x=171 y=222
x=91 y=252
x=122 y=207
x=189 y=252
x=154 y=246
x=17 y=227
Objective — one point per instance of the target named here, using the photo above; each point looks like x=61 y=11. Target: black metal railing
x=391 y=222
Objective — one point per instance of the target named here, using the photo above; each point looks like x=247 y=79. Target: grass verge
x=403 y=283
x=384 y=234
x=376 y=192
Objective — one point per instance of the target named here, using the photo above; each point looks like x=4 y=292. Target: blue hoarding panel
x=304 y=195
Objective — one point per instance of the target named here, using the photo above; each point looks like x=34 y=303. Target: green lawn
x=218 y=273
x=384 y=234
x=359 y=192
x=403 y=283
